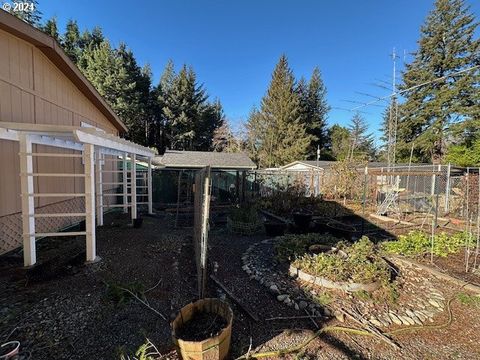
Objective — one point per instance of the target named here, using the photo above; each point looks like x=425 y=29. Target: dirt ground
x=62 y=309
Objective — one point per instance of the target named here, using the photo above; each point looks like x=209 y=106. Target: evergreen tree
x=443 y=108
x=339 y=142
x=71 y=41
x=361 y=143
x=224 y=140
x=50 y=28
x=314 y=107
x=276 y=134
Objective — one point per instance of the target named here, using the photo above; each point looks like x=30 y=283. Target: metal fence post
x=447 y=188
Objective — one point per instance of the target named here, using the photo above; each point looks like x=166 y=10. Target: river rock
x=282 y=297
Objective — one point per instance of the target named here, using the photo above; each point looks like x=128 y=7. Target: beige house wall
x=34 y=90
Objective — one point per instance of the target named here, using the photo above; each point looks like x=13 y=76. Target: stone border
x=323 y=282
x=416 y=312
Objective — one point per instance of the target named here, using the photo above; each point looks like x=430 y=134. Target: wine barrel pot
x=274 y=228
x=302 y=219
x=213 y=348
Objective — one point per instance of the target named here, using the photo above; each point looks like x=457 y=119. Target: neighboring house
x=40 y=85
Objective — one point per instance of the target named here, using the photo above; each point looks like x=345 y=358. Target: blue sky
x=234 y=44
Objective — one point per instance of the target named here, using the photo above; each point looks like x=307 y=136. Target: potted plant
x=302 y=218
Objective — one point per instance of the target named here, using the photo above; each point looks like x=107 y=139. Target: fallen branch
x=145 y=303
x=234 y=298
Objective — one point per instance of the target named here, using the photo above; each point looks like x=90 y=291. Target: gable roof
x=198 y=159
x=324 y=164
x=54 y=52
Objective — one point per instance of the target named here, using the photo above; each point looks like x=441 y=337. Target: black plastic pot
x=302 y=219
x=320 y=226
x=137 y=223
x=275 y=228
x=341 y=231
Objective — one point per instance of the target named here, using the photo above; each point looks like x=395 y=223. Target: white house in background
x=307 y=165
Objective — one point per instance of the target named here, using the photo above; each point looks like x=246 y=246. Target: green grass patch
x=470 y=300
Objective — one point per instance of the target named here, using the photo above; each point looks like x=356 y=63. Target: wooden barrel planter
x=215 y=347
x=336 y=285
x=274 y=228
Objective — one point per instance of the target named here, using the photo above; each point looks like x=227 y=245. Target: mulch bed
x=454 y=265
x=63 y=311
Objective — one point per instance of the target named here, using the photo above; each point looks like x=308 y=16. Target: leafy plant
x=359 y=262
x=117 y=294
x=292 y=246
x=419 y=243
x=247 y=213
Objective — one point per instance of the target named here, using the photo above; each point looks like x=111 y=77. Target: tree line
x=437 y=104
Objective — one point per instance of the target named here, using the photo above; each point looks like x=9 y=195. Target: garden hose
x=326 y=329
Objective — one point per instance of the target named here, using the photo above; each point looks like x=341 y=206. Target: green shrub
x=362 y=263
x=291 y=246
x=245 y=214
x=419 y=243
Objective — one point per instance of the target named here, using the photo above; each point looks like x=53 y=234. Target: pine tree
x=314 y=111
x=361 y=143
x=443 y=108
x=339 y=142
x=224 y=140
x=276 y=134
x=71 y=41
x=50 y=28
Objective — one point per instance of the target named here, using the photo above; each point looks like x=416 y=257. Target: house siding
x=33 y=90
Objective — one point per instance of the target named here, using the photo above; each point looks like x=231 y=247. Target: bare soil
x=202 y=326
x=62 y=309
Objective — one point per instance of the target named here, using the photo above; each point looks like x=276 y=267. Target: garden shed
x=59 y=144
x=175 y=171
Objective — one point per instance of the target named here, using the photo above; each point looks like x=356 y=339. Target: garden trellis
x=94 y=147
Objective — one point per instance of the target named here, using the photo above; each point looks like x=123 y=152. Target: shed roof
x=52 y=49
x=198 y=159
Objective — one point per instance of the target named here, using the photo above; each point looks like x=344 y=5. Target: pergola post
x=99 y=188
x=28 y=201
x=125 y=183
x=133 y=186
x=149 y=187
x=88 y=156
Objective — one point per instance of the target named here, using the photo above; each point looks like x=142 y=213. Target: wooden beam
x=133 y=178
x=99 y=187
x=149 y=185
x=88 y=154
x=28 y=202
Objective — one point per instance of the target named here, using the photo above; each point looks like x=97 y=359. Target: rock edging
x=324 y=282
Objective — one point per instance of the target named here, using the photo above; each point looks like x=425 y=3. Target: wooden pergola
x=91 y=145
